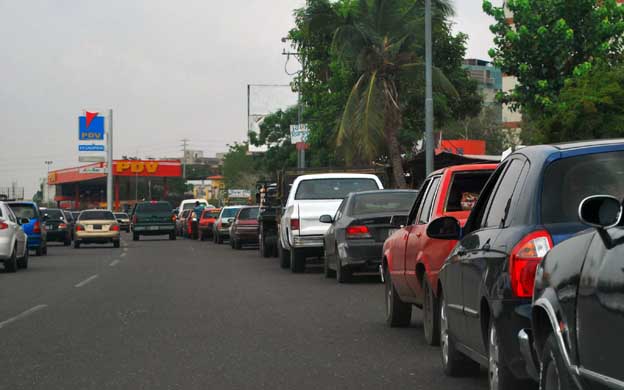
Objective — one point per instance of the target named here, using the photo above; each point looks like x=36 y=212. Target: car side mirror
x=444 y=228
x=326 y=219
x=398 y=220
x=600 y=211
x=24 y=221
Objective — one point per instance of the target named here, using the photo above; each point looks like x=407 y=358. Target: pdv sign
x=91 y=127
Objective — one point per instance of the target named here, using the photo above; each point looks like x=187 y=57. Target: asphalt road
x=158 y=314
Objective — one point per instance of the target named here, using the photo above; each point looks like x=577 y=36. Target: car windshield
x=568 y=181
x=248 y=213
x=465 y=189
x=24 y=211
x=54 y=214
x=121 y=216
x=383 y=202
x=154 y=208
x=229 y=212
x=333 y=188
x=96 y=215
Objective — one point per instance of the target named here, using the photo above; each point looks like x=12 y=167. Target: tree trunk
x=392 y=126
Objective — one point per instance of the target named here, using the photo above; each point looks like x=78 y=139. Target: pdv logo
x=91 y=127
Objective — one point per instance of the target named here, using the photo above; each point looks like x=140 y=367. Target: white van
x=190 y=204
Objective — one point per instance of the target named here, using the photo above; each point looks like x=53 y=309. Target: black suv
x=153 y=219
x=486 y=284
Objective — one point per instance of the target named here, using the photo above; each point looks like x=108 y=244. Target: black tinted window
x=96 y=215
x=383 y=202
x=427 y=204
x=570 y=180
x=501 y=202
x=156 y=207
x=250 y=213
x=54 y=214
x=465 y=189
x=333 y=188
x=24 y=211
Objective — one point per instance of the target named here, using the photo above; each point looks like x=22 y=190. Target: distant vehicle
x=181 y=222
x=153 y=219
x=57 y=227
x=124 y=221
x=300 y=231
x=13 y=240
x=529 y=205
x=206 y=223
x=189 y=204
x=222 y=224
x=412 y=259
x=356 y=234
x=34 y=229
x=71 y=222
x=578 y=305
x=244 y=229
x=96 y=227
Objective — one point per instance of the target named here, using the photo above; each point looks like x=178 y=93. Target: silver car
x=13 y=248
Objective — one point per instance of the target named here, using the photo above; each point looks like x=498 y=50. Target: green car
x=153 y=219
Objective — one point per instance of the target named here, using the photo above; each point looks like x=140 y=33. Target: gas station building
x=84 y=187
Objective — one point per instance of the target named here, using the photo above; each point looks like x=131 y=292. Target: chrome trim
x=455 y=307
x=471 y=312
x=619 y=217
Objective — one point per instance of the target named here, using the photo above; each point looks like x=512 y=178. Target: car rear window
x=54 y=214
x=333 y=188
x=465 y=189
x=570 y=180
x=229 y=213
x=156 y=207
x=248 y=213
x=96 y=215
x=382 y=202
x=121 y=215
x=24 y=211
x=211 y=213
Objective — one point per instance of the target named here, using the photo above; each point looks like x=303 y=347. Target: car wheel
x=554 y=374
x=297 y=261
x=284 y=256
x=23 y=262
x=116 y=244
x=328 y=272
x=431 y=315
x=219 y=239
x=238 y=244
x=232 y=243
x=135 y=237
x=172 y=236
x=38 y=251
x=454 y=362
x=10 y=264
x=44 y=250
x=398 y=313
x=202 y=237
x=67 y=242
x=76 y=244
x=343 y=274
x=500 y=377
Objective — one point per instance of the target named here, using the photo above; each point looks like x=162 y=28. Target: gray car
x=13 y=248
x=355 y=238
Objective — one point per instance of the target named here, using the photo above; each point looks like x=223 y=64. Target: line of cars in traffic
x=517 y=267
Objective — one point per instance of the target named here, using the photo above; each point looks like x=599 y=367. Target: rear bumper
x=525 y=340
x=155 y=229
x=361 y=255
x=249 y=236
x=34 y=241
x=512 y=316
x=110 y=236
x=315 y=241
x=57 y=235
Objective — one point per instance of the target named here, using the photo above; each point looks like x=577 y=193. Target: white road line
x=22 y=315
x=87 y=280
x=114 y=263
x=122 y=255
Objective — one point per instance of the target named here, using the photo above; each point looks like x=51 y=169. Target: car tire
x=135 y=237
x=23 y=262
x=44 y=250
x=39 y=251
x=10 y=264
x=431 y=315
x=284 y=256
x=172 y=236
x=231 y=243
x=219 y=239
x=238 y=245
x=343 y=274
x=398 y=313
x=554 y=374
x=328 y=272
x=454 y=363
x=262 y=246
x=499 y=375
x=201 y=236
x=67 y=242
x=116 y=244
x=297 y=261
x=76 y=244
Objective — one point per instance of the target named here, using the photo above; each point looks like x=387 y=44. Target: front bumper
x=307 y=241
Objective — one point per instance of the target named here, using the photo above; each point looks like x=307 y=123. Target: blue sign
x=92 y=130
x=90 y=148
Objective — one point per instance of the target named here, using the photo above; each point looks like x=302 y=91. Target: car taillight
x=79 y=228
x=295 y=224
x=115 y=228
x=358 y=231
x=173 y=218
x=62 y=226
x=3 y=226
x=524 y=259
x=37 y=227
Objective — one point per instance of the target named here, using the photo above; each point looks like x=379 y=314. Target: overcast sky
x=169 y=69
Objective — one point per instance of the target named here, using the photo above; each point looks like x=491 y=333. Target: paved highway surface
x=159 y=314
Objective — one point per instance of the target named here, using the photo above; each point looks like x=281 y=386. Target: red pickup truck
x=412 y=260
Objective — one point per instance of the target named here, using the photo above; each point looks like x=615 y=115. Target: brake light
x=295 y=224
x=173 y=218
x=37 y=227
x=80 y=228
x=115 y=228
x=3 y=226
x=358 y=231
x=62 y=226
x=524 y=259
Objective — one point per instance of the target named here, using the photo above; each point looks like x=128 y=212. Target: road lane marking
x=87 y=280
x=114 y=263
x=22 y=315
x=122 y=255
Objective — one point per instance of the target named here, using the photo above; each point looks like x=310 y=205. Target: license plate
x=152 y=228
x=50 y=227
x=97 y=227
x=391 y=232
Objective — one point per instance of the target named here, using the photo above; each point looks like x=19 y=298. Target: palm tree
x=382 y=40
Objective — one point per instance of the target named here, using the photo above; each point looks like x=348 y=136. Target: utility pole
x=47 y=186
x=184 y=145
x=109 y=162
x=428 y=90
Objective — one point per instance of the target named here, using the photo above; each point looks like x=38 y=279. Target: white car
x=221 y=227
x=13 y=247
x=300 y=231
x=187 y=204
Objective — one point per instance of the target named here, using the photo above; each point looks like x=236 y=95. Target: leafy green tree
x=275 y=134
x=239 y=167
x=484 y=126
x=550 y=42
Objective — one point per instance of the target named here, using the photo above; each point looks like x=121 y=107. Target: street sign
x=239 y=194
x=91 y=127
x=299 y=133
x=92 y=170
x=91 y=158
x=91 y=148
